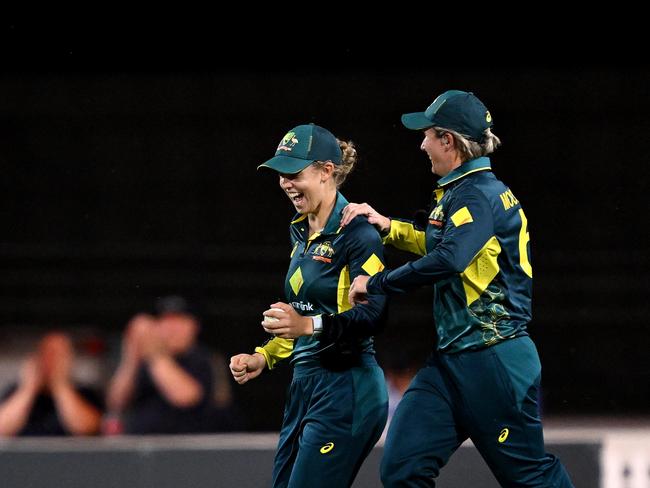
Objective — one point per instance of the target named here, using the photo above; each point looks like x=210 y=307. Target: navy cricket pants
x=490 y=396
x=332 y=420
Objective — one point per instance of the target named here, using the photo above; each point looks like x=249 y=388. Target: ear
x=327 y=170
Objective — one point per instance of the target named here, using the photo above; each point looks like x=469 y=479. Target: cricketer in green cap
x=456 y=110
x=329 y=342
x=301 y=146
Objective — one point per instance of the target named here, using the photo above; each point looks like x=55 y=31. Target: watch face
x=318 y=323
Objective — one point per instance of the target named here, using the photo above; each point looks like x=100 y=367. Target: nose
x=285 y=183
x=422 y=148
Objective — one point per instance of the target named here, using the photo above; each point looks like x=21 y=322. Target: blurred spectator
x=164 y=382
x=223 y=416
x=399 y=372
x=45 y=400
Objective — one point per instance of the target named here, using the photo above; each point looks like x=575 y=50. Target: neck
x=318 y=219
x=455 y=163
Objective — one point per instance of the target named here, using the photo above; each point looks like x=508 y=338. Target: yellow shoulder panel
x=373 y=265
x=461 y=217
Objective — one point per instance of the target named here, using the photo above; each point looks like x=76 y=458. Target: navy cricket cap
x=301 y=146
x=456 y=110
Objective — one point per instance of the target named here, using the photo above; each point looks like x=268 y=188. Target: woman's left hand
x=288 y=324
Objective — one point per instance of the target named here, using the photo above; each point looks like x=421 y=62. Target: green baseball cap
x=301 y=146
x=456 y=110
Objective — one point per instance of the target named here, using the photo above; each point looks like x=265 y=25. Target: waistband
x=312 y=366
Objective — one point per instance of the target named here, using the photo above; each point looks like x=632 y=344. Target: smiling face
x=308 y=189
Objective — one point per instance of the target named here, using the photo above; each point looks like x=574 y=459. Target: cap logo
x=288 y=142
x=488 y=117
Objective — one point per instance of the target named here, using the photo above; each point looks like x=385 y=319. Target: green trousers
x=332 y=420
x=489 y=396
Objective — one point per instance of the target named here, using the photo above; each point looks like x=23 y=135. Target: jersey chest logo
x=437 y=216
x=323 y=252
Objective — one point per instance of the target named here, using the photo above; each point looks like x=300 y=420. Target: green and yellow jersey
x=475 y=252
x=317 y=283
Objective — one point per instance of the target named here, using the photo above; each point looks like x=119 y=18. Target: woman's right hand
x=375 y=218
x=246 y=367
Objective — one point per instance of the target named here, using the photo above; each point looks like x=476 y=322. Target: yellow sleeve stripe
x=342 y=290
x=275 y=350
x=373 y=265
x=461 y=217
x=404 y=236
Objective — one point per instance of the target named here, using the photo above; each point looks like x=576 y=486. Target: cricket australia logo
x=437 y=216
x=288 y=141
x=323 y=252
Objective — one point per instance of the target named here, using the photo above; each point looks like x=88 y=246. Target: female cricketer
x=337 y=404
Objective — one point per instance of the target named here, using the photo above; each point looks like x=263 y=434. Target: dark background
x=127 y=177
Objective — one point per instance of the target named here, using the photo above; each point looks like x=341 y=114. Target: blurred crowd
x=166 y=382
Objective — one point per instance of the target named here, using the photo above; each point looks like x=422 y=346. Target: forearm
x=77 y=416
x=174 y=383
x=424 y=271
x=122 y=386
x=405 y=236
x=275 y=350
x=450 y=257
x=363 y=320
x=14 y=412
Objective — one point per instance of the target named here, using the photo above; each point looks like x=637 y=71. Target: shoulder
x=296 y=228
x=359 y=228
x=470 y=190
x=487 y=183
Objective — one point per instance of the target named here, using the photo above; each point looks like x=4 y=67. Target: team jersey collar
x=334 y=221
x=471 y=166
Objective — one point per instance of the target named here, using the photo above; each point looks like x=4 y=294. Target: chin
x=302 y=209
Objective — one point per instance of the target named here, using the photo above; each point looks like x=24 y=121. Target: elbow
x=452 y=264
x=456 y=268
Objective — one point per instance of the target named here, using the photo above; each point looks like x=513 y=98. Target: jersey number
x=524 y=237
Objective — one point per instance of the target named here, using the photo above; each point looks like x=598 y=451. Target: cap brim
x=286 y=164
x=416 y=121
